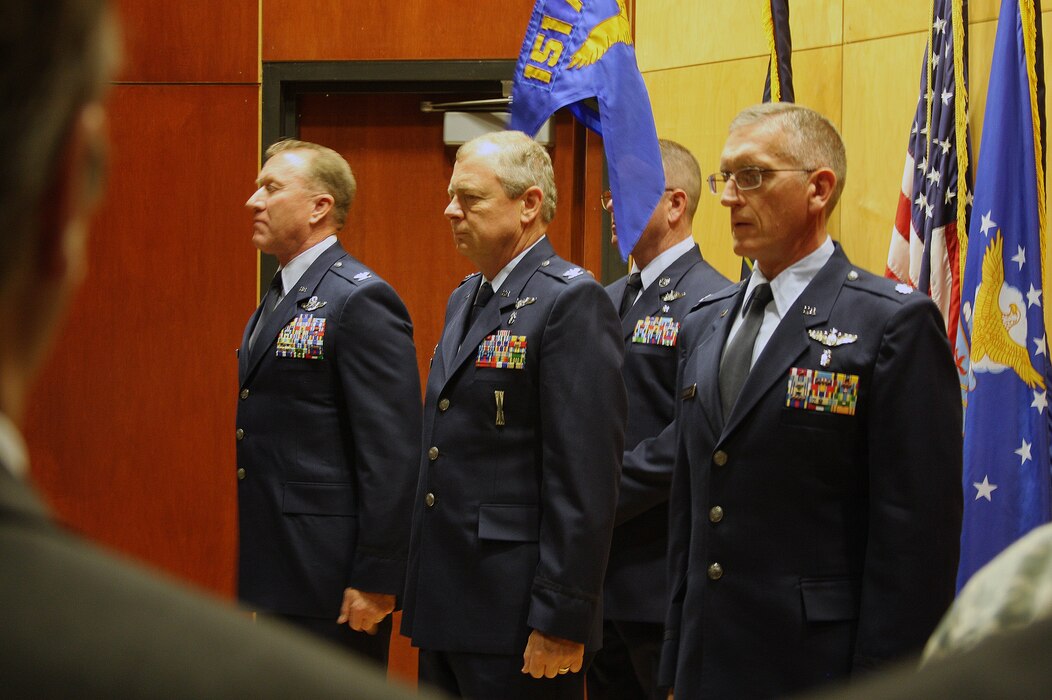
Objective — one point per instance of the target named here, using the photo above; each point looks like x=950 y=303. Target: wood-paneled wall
x=856 y=61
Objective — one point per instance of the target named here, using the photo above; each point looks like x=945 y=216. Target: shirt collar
x=13 y=453
x=659 y=264
x=787 y=286
x=291 y=273
x=501 y=276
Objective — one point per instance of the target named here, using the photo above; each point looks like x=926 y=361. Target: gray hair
x=520 y=163
x=328 y=171
x=811 y=140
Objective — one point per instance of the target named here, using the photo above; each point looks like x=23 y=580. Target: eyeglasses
x=607 y=199
x=748 y=178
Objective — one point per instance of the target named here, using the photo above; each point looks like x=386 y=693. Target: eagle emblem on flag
x=615 y=30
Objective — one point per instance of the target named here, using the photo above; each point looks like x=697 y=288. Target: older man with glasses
x=816 y=495
x=668 y=276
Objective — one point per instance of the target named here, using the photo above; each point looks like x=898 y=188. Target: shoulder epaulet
x=351 y=270
x=880 y=286
x=563 y=270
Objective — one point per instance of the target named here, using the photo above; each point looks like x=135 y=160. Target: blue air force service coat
x=523 y=437
x=815 y=532
x=635 y=577
x=328 y=429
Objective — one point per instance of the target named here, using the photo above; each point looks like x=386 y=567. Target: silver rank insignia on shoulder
x=672 y=296
x=903 y=288
x=312 y=304
x=573 y=272
x=853 y=275
x=525 y=301
x=664 y=282
x=362 y=276
x=338 y=263
x=832 y=338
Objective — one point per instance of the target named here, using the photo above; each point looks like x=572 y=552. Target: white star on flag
x=934 y=61
x=1024 y=452
x=922 y=200
x=1040 y=401
x=1040 y=346
x=984 y=489
x=934 y=176
x=987 y=223
x=1033 y=297
x=939 y=26
x=945 y=144
x=946 y=97
x=950 y=194
x=1019 y=257
x=923 y=165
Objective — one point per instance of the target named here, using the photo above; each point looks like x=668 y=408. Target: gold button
x=546 y=263
x=715 y=514
x=429 y=500
x=715 y=571
x=443 y=404
x=244 y=393
x=240 y=433
x=241 y=474
x=432 y=454
x=720 y=458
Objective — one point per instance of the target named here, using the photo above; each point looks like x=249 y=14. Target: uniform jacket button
x=719 y=458
x=715 y=514
x=244 y=393
x=715 y=571
x=241 y=474
x=240 y=433
x=432 y=454
x=429 y=500
x=443 y=404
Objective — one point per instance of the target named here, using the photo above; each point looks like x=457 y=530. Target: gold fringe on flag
x=768 y=30
x=1029 y=21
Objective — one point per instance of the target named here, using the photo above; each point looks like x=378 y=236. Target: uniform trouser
x=496 y=677
x=626 y=667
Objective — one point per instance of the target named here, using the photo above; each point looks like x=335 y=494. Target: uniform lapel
x=490 y=317
x=650 y=302
x=790 y=339
x=289 y=306
x=460 y=305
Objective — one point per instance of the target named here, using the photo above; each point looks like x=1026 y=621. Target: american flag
x=935 y=200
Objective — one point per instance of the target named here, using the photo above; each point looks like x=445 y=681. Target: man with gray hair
x=78 y=621
x=816 y=494
x=328 y=415
x=523 y=433
x=668 y=276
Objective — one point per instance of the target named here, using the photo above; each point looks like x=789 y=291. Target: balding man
x=667 y=278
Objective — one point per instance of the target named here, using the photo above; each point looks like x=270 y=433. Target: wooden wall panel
x=190 y=41
x=131 y=426
x=865 y=19
x=680 y=33
x=353 y=30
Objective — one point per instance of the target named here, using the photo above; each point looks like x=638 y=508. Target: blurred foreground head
x=59 y=55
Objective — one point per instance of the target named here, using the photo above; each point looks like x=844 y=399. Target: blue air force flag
x=1006 y=425
x=579 y=49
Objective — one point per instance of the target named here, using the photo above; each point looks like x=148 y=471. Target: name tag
x=502 y=350
x=303 y=338
x=824 y=392
x=656 y=330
